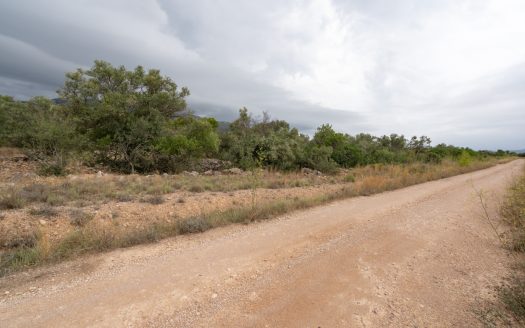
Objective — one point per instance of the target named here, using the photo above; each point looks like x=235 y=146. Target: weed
x=349 y=178
x=513 y=296
x=23 y=240
x=18 y=259
x=11 y=200
x=50 y=169
x=45 y=211
x=35 y=193
x=154 y=199
x=79 y=217
x=196 y=188
x=192 y=225
x=123 y=198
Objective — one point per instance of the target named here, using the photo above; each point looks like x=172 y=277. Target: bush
x=464 y=159
x=52 y=169
x=350 y=178
x=80 y=218
x=193 y=225
x=12 y=199
x=46 y=211
x=154 y=199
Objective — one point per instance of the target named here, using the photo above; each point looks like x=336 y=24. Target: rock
x=99 y=174
x=214 y=295
x=6 y=292
x=194 y=173
x=164 y=174
x=213 y=164
x=32 y=289
x=306 y=170
x=42 y=222
x=253 y=297
x=234 y=170
x=209 y=172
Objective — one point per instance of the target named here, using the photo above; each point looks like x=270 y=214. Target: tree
x=121 y=112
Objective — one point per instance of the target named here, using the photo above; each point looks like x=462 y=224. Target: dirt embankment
x=419 y=256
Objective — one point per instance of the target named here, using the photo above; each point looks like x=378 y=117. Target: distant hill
x=519 y=151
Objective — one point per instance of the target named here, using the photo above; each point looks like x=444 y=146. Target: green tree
x=122 y=113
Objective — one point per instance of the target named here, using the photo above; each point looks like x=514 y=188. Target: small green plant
x=349 y=178
x=464 y=159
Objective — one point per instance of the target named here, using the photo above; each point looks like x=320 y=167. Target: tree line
x=137 y=121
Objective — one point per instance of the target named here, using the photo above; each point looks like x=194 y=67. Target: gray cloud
x=452 y=70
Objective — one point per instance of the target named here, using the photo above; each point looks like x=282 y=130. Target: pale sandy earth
x=421 y=256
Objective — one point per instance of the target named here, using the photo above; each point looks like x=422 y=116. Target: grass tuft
x=45 y=211
x=79 y=217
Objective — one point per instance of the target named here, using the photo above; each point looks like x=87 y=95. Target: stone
x=306 y=170
x=42 y=222
x=209 y=172
x=235 y=170
x=99 y=174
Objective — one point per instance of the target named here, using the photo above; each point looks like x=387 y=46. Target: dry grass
x=513 y=212
x=89 y=236
x=91 y=189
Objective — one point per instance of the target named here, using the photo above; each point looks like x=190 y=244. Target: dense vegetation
x=137 y=121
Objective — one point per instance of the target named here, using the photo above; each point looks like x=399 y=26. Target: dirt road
x=419 y=256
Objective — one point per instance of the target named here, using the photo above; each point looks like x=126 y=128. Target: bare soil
x=419 y=256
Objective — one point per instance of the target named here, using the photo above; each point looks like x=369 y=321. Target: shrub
x=80 y=218
x=464 y=159
x=193 y=225
x=350 y=178
x=46 y=211
x=12 y=199
x=22 y=240
x=196 y=188
x=52 y=169
x=154 y=199
x=513 y=297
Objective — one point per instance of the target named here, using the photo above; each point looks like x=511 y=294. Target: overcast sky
x=453 y=70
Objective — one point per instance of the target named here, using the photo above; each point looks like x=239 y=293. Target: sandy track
x=419 y=256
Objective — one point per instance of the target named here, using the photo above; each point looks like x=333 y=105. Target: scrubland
x=50 y=219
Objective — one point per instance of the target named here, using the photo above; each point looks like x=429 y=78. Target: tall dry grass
x=512 y=211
